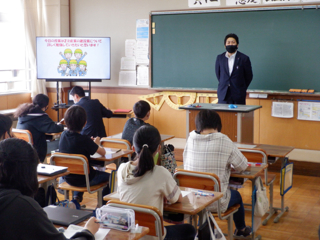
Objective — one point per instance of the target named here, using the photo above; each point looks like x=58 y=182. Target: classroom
x=117 y=20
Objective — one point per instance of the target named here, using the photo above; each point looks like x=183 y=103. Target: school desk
x=117 y=234
x=112 y=157
x=237 y=123
x=121 y=114
x=250 y=173
x=274 y=153
x=191 y=204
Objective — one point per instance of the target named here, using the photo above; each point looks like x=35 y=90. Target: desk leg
x=271 y=208
x=283 y=209
x=253 y=235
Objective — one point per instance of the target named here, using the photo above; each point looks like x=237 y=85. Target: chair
x=116 y=143
x=260 y=156
x=23 y=134
x=77 y=164
x=210 y=182
x=146 y=216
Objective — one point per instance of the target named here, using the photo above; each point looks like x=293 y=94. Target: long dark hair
x=5 y=125
x=38 y=102
x=18 y=166
x=208 y=119
x=145 y=141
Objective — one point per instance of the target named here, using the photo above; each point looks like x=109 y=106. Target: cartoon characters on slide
x=72 y=67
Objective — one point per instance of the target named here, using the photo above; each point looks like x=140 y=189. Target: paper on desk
x=184 y=193
x=72 y=229
x=108 y=152
x=239 y=145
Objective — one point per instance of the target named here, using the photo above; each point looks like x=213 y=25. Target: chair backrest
x=116 y=143
x=256 y=155
x=76 y=163
x=198 y=180
x=146 y=216
x=23 y=134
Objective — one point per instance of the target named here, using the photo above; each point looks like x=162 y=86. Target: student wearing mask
x=95 y=113
x=32 y=117
x=142 y=182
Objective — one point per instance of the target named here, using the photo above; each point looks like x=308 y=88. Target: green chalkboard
x=283 y=45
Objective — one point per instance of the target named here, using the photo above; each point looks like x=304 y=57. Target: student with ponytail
x=142 y=182
x=32 y=117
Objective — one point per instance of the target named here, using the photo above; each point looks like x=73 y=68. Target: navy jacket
x=95 y=112
x=39 y=123
x=239 y=80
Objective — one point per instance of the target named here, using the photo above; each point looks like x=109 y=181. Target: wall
x=99 y=18
x=10 y=101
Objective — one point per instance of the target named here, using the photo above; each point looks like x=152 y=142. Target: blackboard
x=283 y=45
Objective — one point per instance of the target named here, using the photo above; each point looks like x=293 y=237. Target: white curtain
x=35 y=25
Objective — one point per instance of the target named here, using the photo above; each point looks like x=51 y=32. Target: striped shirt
x=214 y=153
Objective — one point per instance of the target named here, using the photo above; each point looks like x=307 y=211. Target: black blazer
x=95 y=112
x=239 y=80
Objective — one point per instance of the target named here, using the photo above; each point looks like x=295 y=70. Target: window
x=14 y=69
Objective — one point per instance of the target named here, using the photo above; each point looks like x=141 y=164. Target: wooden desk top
x=166 y=137
x=120 y=235
x=116 y=234
x=251 y=172
x=275 y=151
x=113 y=156
x=43 y=178
x=191 y=204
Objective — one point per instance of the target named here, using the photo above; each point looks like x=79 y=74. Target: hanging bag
x=262 y=202
x=210 y=229
x=168 y=160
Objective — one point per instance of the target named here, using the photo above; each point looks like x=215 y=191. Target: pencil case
x=116 y=218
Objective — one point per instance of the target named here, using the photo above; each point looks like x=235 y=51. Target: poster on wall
x=282 y=109
x=242 y=2
x=203 y=3
x=309 y=111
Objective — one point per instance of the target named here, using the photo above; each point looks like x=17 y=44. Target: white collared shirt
x=231 y=61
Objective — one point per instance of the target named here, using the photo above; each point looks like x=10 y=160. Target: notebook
x=66 y=216
x=50 y=170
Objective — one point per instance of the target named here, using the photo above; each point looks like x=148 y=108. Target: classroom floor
x=299 y=223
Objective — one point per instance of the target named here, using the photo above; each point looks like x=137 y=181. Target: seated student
x=142 y=182
x=32 y=117
x=72 y=141
x=208 y=150
x=95 y=113
x=5 y=127
x=141 y=111
x=21 y=217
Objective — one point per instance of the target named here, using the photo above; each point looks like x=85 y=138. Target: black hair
x=231 y=35
x=208 y=119
x=145 y=141
x=5 y=125
x=38 y=102
x=18 y=166
x=77 y=90
x=141 y=108
x=75 y=118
